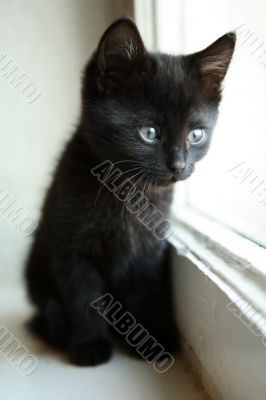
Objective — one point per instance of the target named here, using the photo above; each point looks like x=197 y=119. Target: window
x=229 y=185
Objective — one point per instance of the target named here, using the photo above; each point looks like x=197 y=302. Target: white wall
x=50 y=41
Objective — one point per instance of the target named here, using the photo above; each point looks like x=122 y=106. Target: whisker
x=122 y=212
x=101 y=187
x=129 y=161
x=150 y=186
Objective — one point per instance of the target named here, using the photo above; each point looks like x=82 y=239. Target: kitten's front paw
x=91 y=353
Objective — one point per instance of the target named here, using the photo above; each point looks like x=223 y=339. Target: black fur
x=87 y=243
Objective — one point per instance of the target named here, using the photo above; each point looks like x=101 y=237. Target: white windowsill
x=234 y=262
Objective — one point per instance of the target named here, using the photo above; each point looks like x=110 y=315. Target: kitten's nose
x=177 y=167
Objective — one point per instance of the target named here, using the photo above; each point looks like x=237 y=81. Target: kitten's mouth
x=165 y=181
x=178 y=177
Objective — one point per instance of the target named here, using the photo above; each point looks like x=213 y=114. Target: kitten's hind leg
x=80 y=284
x=50 y=324
x=65 y=318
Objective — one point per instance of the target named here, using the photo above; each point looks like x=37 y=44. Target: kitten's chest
x=119 y=229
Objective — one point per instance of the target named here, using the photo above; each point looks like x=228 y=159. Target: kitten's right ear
x=213 y=63
x=120 y=51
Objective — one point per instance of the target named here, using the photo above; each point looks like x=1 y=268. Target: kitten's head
x=152 y=111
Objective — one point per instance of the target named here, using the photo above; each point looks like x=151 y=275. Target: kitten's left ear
x=213 y=62
x=120 y=50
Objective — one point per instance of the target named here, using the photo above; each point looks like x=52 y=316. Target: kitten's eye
x=197 y=137
x=149 y=134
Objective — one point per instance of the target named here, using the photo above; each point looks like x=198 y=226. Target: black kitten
x=151 y=116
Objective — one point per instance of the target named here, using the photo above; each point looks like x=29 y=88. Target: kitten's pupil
x=197 y=136
x=149 y=134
